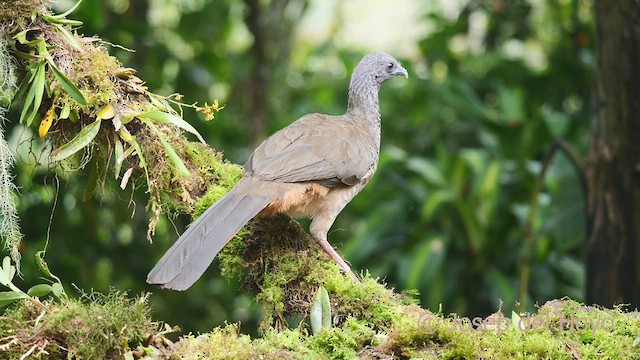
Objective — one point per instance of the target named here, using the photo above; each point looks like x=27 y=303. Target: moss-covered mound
x=94 y=326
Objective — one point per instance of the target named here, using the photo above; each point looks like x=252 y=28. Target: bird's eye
x=390 y=66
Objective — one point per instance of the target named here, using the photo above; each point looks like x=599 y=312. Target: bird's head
x=378 y=67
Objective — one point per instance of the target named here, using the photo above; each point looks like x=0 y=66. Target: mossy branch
x=84 y=100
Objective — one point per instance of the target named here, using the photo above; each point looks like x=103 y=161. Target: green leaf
x=22 y=89
x=426 y=262
x=4 y=278
x=92 y=181
x=40 y=290
x=182 y=169
x=68 y=86
x=21 y=37
x=8 y=297
x=34 y=97
x=320 y=311
x=60 y=20
x=69 y=37
x=82 y=139
x=166 y=118
x=72 y=9
x=8 y=272
x=57 y=289
x=434 y=201
x=428 y=169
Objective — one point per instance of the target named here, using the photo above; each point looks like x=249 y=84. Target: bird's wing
x=317 y=147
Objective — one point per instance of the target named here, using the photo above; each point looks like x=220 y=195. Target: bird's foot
x=338 y=259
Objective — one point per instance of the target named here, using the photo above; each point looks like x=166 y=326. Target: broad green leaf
x=82 y=139
x=57 y=289
x=428 y=169
x=8 y=297
x=182 y=169
x=434 y=201
x=40 y=290
x=166 y=118
x=320 y=311
x=69 y=37
x=68 y=86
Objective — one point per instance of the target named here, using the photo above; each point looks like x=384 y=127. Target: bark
x=613 y=170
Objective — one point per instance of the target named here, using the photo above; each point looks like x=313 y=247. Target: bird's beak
x=401 y=71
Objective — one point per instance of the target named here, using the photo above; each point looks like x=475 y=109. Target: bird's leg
x=321 y=237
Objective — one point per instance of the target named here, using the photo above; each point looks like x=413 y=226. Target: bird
x=311 y=168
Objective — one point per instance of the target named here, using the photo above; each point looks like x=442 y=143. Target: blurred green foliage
x=463 y=144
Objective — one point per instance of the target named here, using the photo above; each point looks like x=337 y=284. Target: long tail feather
x=194 y=251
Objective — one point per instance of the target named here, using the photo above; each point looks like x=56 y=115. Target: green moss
x=221 y=344
x=344 y=342
x=92 y=71
x=92 y=327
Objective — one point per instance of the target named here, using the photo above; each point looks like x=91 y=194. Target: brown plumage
x=311 y=168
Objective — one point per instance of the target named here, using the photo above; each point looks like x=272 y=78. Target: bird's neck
x=363 y=100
